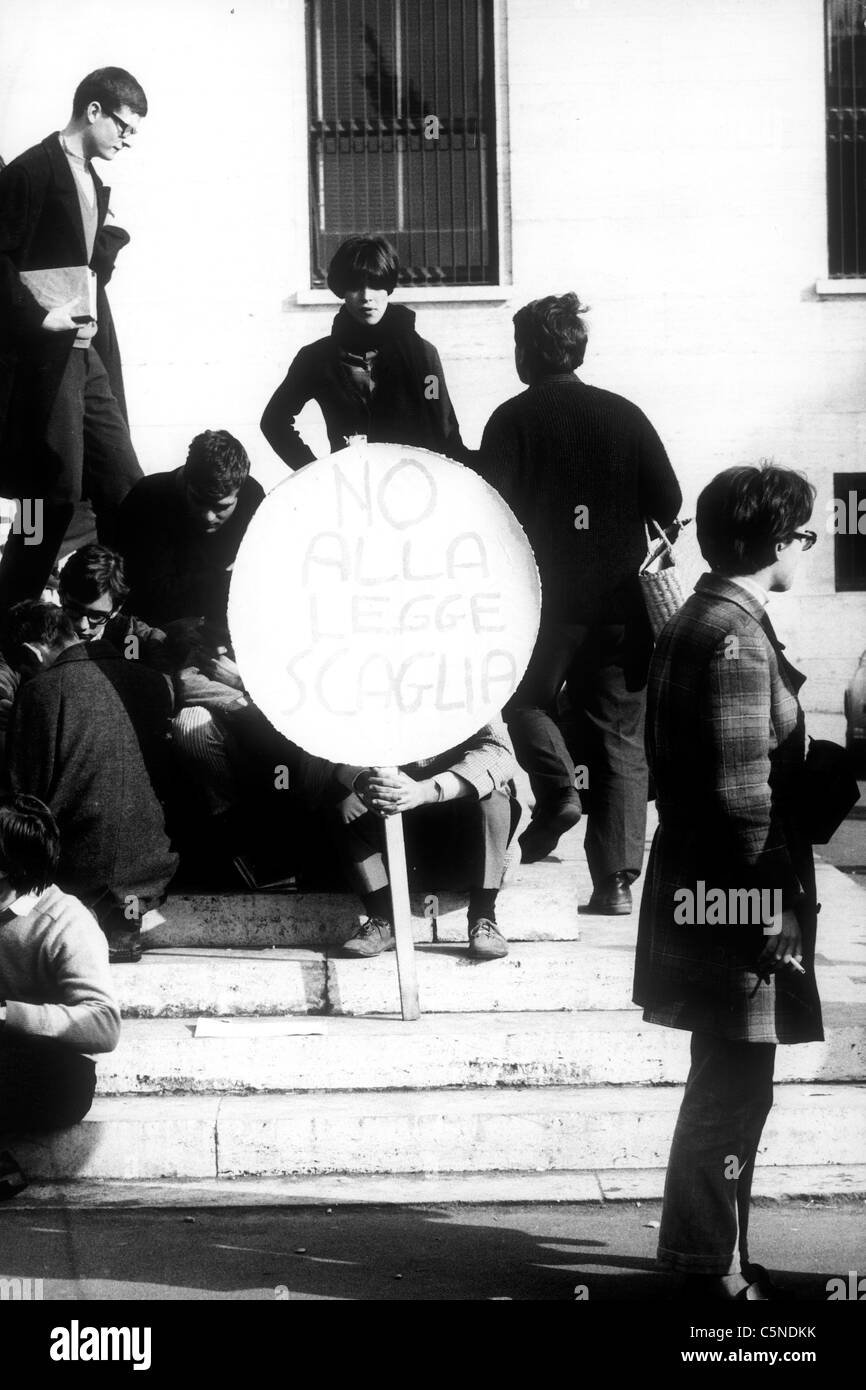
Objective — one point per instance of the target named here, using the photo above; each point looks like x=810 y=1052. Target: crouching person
x=56 y=1006
x=87 y=735
x=460 y=815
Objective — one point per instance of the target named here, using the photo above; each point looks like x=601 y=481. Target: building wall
x=663 y=157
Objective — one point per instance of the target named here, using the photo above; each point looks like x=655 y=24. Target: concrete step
x=594 y=973
x=454 y=1131
x=539 y=903
x=534 y=977
x=771 y=1184
x=590 y=1048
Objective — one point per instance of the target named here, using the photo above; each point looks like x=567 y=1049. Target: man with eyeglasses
x=63 y=427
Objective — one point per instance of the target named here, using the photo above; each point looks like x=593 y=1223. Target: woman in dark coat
x=374 y=375
x=726 y=943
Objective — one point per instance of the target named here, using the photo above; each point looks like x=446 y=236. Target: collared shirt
x=751 y=586
x=20 y=907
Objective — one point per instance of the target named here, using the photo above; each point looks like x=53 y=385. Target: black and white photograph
x=432 y=669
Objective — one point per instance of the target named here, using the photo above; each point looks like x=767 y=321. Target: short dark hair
x=111 y=87
x=363 y=260
x=29 y=843
x=216 y=464
x=92 y=571
x=37 y=622
x=551 y=334
x=746 y=510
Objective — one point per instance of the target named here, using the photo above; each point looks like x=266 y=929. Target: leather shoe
x=549 y=822
x=612 y=897
x=370 y=939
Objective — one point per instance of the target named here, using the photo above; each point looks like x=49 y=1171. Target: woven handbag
x=659 y=577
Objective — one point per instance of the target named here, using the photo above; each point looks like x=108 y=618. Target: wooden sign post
x=384 y=605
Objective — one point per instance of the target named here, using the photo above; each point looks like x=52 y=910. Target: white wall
x=666 y=160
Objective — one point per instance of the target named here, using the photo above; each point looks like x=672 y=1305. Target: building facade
x=667 y=159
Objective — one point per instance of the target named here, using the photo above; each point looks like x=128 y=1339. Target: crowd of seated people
x=125 y=713
x=123 y=709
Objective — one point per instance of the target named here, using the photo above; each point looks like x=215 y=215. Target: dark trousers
x=705 y=1215
x=85 y=451
x=603 y=668
x=458 y=845
x=43 y=1085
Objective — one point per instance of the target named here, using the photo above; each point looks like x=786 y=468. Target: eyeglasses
x=807 y=537
x=77 y=610
x=124 y=129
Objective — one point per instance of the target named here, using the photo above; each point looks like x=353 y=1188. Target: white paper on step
x=256 y=1027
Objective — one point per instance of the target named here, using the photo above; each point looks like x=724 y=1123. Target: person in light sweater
x=56 y=1003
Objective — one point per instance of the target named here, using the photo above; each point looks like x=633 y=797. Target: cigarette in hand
x=797 y=966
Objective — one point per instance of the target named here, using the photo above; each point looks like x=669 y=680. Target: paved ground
x=434 y=1252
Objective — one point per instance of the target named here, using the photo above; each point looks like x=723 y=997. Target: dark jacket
x=41 y=229
x=561 y=445
x=87 y=736
x=173 y=570
x=726 y=746
x=409 y=405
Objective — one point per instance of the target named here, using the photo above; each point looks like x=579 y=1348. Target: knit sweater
x=54 y=974
x=580 y=468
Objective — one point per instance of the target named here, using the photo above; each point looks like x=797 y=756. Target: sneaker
x=12 y=1180
x=548 y=823
x=372 y=938
x=486 y=941
x=124 y=947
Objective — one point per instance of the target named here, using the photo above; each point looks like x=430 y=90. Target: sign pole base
x=402 y=918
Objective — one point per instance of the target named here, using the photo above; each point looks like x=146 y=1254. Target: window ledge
x=835 y=288
x=431 y=294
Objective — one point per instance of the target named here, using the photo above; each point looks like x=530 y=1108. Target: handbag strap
x=656 y=545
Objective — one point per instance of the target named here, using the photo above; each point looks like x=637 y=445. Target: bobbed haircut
x=92 y=571
x=746 y=510
x=112 y=88
x=216 y=464
x=44 y=624
x=361 y=261
x=551 y=334
x=29 y=843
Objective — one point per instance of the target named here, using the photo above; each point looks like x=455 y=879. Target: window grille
x=846 y=136
x=402 y=134
x=849 y=490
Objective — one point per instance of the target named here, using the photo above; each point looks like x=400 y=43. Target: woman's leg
x=726 y=1101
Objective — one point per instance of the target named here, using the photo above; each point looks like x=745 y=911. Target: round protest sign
x=384 y=605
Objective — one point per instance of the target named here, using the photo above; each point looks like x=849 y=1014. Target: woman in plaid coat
x=727 y=929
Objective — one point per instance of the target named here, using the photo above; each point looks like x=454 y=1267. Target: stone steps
x=594 y=973
x=505 y=1130
x=507 y=1050
x=527 y=1078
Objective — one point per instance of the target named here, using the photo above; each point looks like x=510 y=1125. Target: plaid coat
x=726 y=744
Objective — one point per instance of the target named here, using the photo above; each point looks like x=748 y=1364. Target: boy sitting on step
x=56 y=1005
x=461 y=813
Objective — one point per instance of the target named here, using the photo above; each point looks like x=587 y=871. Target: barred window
x=845 y=27
x=402 y=134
